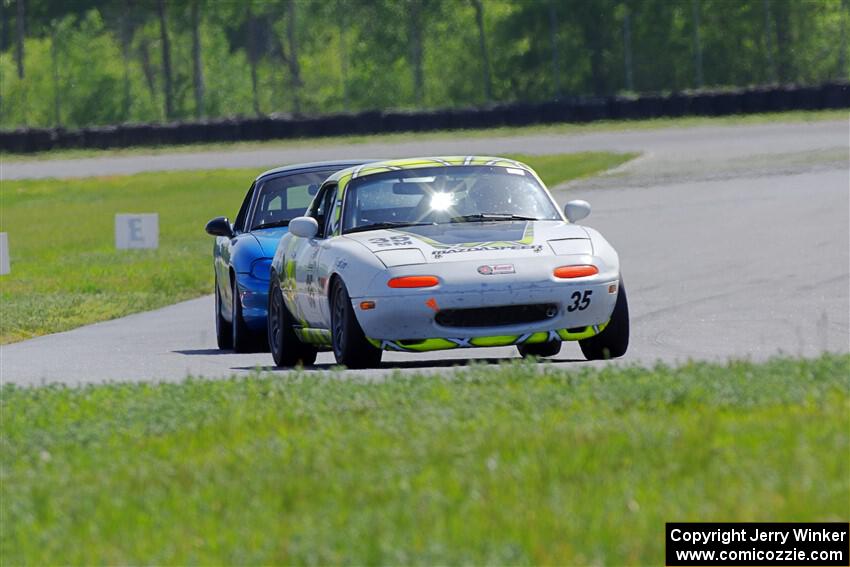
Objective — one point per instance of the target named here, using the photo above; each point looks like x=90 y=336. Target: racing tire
x=223 y=331
x=287 y=349
x=243 y=339
x=540 y=350
x=349 y=342
x=614 y=340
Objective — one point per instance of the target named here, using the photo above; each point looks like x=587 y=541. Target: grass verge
x=565 y=128
x=66 y=271
x=514 y=464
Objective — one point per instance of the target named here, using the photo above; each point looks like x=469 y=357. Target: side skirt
x=315 y=337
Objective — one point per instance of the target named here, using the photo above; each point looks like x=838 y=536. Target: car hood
x=268 y=238
x=454 y=242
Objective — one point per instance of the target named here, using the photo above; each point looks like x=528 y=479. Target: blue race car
x=243 y=251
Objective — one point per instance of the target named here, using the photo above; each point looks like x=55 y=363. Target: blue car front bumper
x=254 y=295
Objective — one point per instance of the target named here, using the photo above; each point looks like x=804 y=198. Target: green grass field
x=66 y=271
x=512 y=464
x=565 y=128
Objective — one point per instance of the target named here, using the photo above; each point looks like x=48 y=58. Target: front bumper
x=254 y=295
x=405 y=319
x=438 y=343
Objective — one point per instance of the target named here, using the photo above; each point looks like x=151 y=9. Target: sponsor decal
x=396 y=241
x=496 y=269
x=487 y=247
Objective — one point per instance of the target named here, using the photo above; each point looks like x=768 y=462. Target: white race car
x=441 y=253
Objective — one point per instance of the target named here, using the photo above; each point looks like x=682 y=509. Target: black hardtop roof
x=296 y=167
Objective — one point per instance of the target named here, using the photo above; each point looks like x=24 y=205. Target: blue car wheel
x=223 y=330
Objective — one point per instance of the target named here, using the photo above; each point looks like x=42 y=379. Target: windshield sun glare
x=441 y=201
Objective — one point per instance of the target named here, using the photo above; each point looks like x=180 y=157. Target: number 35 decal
x=581 y=301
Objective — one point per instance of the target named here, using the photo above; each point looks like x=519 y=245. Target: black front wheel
x=349 y=342
x=287 y=349
x=614 y=340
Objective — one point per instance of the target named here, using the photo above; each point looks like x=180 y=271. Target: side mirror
x=576 y=210
x=220 y=226
x=304 y=227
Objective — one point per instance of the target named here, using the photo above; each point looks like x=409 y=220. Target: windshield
x=281 y=199
x=448 y=194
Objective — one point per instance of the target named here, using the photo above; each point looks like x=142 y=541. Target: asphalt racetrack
x=734 y=243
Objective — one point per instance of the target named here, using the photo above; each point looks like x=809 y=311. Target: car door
x=224 y=252
x=323 y=262
x=308 y=284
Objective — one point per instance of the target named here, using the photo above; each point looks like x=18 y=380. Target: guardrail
x=717 y=103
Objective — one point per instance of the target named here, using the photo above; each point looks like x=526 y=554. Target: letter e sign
x=137 y=231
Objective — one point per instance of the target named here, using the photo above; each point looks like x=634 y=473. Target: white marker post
x=4 y=253
x=137 y=231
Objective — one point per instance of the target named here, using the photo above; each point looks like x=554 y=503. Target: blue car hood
x=268 y=239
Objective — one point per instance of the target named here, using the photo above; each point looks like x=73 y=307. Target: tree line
x=84 y=62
